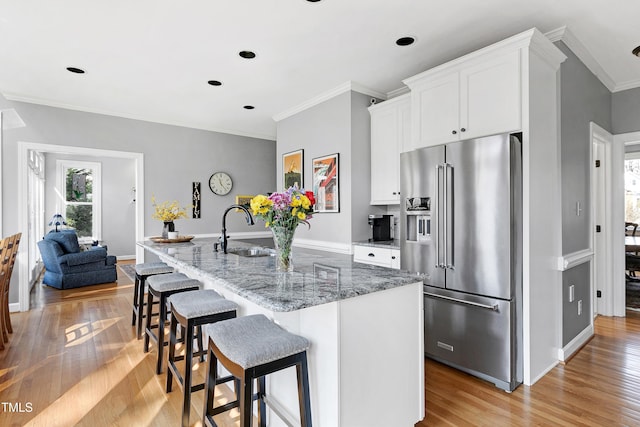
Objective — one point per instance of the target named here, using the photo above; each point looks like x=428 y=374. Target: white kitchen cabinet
x=466 y=99
x=390 y=135
x=383 y=257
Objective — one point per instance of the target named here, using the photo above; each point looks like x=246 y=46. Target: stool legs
x=302 y=371
x=138 y=304
x=162 y=316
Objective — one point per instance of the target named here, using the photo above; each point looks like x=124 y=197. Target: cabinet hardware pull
x=454 y=132
x=372 y=255
x=463 y=130
x=493 y=307
x=393 y=257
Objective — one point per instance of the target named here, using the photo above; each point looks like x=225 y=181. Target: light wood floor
x=74 y=360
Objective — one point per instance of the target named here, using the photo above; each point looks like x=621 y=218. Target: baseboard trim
x=14 y=307
x=125 y=257
x=236 y=235
x=542 y=374
x=568 y=351
x=321 y=245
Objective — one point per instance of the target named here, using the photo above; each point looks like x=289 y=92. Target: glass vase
x=168 y=226
x=283 y=238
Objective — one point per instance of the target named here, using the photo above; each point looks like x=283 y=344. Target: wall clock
x=220 y=183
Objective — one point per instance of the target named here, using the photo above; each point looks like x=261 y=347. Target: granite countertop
x=392 y=244
x=319 y=277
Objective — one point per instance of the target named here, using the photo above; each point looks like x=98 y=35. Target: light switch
x=572 y=293
x=579 y=307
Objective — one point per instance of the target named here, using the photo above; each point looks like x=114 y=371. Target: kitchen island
x=365 y=325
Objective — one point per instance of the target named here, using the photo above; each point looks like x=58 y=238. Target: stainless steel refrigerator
x=461 y=228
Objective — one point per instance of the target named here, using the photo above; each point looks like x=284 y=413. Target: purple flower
x=280 y=201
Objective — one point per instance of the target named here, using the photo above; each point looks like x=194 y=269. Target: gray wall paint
x=174 y=157
x=338 y=125
x=572 y=323
x=583 y=99
x=118 y=209
x=626 y=111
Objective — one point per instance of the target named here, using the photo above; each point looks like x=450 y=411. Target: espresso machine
x=381 y=227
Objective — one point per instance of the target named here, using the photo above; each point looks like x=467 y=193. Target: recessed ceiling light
x=636 y=51
x=247 y=54
x=405 y=41
x=75 y=70
x=248 y=107
x=215 y=82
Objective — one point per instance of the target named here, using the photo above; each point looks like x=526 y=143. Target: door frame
x=620 y=142
x=23 y=152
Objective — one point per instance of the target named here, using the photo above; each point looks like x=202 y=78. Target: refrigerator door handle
x=493 y=307
x=438 y=218
x=449 y=216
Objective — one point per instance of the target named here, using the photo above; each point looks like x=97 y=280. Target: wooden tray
x=180 y=239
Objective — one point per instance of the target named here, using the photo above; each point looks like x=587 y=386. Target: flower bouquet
x=283 y=212
x=167 y=212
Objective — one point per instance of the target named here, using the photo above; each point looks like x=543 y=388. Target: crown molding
x=580 y=50
x=325 y=96
x=631 y=84
x=398 y=92
x=50 y=103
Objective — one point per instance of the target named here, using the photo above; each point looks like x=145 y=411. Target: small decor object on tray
x=167 y=212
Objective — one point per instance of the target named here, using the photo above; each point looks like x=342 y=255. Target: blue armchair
x=67 y=266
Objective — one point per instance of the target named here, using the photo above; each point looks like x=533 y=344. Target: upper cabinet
x=466 y=99
x=390 y=135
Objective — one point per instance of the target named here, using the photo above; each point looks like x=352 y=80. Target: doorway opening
x=24 y=150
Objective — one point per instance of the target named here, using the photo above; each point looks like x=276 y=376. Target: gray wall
x=583 y=99
x=338 y=125
x=118 y=208
x=174 y=157
x=626 y=111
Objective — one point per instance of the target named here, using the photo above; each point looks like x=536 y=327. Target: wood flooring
x=74 y=360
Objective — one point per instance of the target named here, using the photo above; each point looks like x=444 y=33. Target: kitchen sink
x=251 y=252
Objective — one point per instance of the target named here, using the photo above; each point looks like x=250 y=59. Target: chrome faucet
x=223 y=238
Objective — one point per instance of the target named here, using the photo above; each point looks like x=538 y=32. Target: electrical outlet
x=572 y=293
x=580 y=308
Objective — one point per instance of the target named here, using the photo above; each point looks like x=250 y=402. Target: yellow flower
x=302 y=215
x=260 y=204
x=306 y=203
x=293 y=211
x=168 y=211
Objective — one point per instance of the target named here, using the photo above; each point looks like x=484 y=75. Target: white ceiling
x=151 y=59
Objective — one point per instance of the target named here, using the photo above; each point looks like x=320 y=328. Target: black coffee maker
x=381 y=226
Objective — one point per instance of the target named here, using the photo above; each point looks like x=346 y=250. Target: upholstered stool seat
x=162 y=286
x=249 y=348
x=191 y=310
x=143 y=271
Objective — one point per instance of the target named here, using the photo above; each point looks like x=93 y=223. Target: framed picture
x=243 y=200
x=326 y=183
x=293 y=169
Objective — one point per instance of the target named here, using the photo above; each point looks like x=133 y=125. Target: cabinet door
x=435 y=106
x=385 y=158
x=490 y=100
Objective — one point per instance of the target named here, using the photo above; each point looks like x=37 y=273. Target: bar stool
x=143 y=271
x=249 y=348
x=162 y=286
x=191 y=310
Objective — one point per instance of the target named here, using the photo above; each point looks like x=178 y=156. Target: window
x=79 y=184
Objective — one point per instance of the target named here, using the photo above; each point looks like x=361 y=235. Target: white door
x=599 y=215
